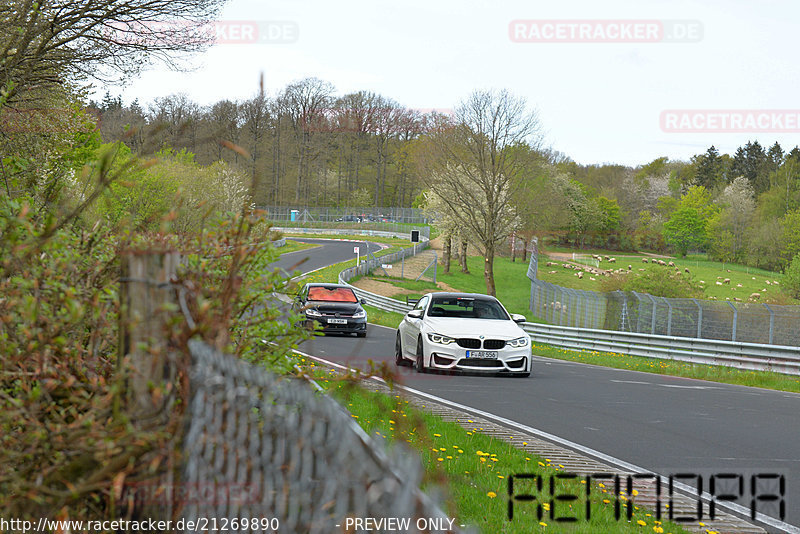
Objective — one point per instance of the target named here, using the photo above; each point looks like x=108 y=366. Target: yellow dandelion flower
x=440 y=459
x=606 y=501
x=491 y=495
x=642 y=523
x=483 y=459
x=543 y=523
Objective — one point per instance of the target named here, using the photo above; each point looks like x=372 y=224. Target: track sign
x=356 y=250
x=415 y=236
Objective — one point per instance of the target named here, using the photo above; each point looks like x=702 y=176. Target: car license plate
x=337 y=321
x=482 y=354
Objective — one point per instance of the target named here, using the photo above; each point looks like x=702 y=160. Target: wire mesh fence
x=629 y=311
x=383 y=219
x=280 y=457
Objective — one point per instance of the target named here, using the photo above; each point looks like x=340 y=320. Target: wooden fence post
x=147 y=302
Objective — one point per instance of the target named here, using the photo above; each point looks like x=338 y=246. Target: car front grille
x=469 y=343
x=470 y=362
x=472 y=343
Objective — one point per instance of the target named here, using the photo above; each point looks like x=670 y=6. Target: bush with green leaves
x=791 y=277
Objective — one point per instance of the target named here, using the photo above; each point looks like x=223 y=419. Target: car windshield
x=332 y=294
x=467 y=308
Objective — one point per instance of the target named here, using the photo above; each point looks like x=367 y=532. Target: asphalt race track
x=663 y=424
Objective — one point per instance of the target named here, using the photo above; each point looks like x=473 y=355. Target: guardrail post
x=735 y=313
x=771 y=322
x=699 y=319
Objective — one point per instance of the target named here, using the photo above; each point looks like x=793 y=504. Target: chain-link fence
x=286 y=458
x=396 y=220
x=630 y=311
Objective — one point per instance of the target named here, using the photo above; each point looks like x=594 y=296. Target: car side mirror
x=416 y=314
x=517 y=318
x=363 y=301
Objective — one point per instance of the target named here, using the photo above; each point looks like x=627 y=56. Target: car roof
x=460 y=295
x=327 y=286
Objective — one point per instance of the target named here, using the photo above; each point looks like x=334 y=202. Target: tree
x=685 y=229
x=708 y=168
x=727 y=228
x=791 y=277
x=47 y=43
x=475 y=159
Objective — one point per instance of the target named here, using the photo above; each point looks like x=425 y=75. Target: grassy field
x=743 y=280
x=474 y=469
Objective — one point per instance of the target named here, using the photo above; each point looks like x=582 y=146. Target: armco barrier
x=750 y=356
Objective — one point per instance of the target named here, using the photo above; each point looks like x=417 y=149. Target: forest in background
x=308 y=146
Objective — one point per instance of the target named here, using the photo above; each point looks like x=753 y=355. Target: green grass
x=330 y=274
x=700 y=268
x=475 y=468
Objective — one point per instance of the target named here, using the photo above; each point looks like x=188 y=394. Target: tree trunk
x=524 y=250
x=447 y=247
x=513 y=248
x=463 y=257
x=488 y=270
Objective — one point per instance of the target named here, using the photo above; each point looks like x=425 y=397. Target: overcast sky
x=599 y=100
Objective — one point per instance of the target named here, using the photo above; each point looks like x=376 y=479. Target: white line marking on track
x=622 y=464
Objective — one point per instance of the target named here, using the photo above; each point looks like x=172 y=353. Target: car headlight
x=311 y=312
x=359 y=315
x=441 y=339
x=519 y=342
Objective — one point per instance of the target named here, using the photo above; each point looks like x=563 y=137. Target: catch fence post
x=771 y=322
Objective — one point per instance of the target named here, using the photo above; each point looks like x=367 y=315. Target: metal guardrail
x=343 y=231
x=750 y=356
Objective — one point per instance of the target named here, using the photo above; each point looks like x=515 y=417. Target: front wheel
x=420 y=362
x=398 y=351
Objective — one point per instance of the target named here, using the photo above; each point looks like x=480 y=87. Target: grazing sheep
x=726 y=281
x=737 y=299
x=769 y=283
x=580 y=274
x=702 y=281
x=662 y=262
x=612 y=260
x=764 y=289
x=712 y=298
x=718 y=283
x=754 y=278
x=728 y=270
x=755 y=296
x=686 y=270
x=641 y=269
x=671 y=264
x=592 y=279
x=644 y=260
x=630 y=267
x=606 y=257
x=775 y=282
x=552 y=272
x=738 y=285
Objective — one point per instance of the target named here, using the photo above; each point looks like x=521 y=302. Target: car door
x=412 y=326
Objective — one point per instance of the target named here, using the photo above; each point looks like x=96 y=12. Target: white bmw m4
x=463 y=332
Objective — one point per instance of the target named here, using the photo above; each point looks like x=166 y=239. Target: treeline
x=305 y=145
